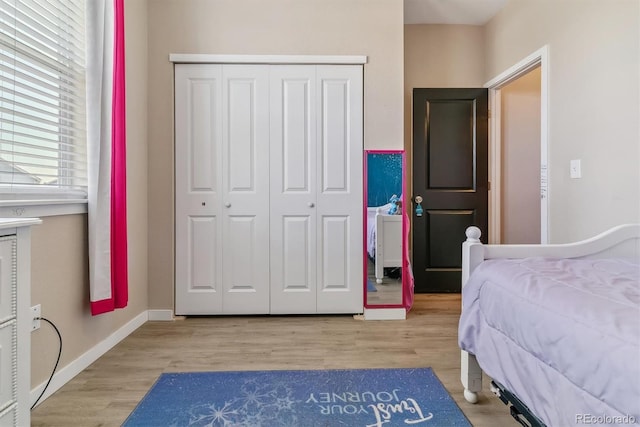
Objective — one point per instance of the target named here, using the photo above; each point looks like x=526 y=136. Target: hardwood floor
x=106 y=392
x=387 y=292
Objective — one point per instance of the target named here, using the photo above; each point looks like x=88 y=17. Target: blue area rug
x=371 y=287
x=351 y=398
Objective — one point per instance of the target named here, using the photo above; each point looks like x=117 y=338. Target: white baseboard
x=65 y=374
x=385 y=314
x=161 y=315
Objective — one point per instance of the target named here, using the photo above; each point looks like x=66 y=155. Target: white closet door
x=268 y=189
x=198 y=163
x=245 y=210
x=339 y=197
x=293 y=189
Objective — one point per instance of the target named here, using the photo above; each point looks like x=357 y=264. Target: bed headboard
x=622 y=241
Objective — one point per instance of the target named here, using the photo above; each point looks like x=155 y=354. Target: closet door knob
x=311 y=204
x=228 y=205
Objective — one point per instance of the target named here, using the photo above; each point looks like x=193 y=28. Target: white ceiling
x=469 y=12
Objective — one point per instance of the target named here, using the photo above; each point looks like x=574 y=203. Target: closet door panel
x=198 y=102
x=335 y=136
x=243 y=137
x=335 y=253
x=242 y=254
x=339 y=198
x=245 y=151
x=202 y=250
x=293 y=190
x=293 y=281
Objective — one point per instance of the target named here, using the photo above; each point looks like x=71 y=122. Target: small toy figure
x=419 y=210
x=395 y=202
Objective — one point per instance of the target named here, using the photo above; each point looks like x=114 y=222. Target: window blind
x=42 y=98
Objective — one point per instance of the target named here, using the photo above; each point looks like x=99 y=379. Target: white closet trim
x=197 y=58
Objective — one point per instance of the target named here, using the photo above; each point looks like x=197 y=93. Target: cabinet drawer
x=8 y=277
x=7 y=363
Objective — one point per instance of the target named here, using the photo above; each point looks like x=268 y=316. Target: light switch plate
x=575 y=169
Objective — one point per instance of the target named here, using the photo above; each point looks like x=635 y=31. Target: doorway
x=534 y=69
x=520 y=144
x=492 y=232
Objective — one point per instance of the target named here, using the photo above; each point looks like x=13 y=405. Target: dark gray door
x=450 y=137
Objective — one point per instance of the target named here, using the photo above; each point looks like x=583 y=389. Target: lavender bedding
x=563 y=335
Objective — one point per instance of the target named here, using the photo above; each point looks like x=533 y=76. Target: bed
x=384 y=239
x=555 y=327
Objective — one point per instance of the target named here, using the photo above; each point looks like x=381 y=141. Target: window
x=42 y=99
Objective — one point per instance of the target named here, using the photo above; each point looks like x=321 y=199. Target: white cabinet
x=268 y=189
x=15 y=321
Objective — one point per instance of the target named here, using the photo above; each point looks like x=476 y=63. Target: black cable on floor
x=57 y=361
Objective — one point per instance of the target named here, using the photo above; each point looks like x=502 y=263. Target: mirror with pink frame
x=385 y=234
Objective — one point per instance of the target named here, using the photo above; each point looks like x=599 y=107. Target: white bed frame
x=388 y=243
x=621 y=241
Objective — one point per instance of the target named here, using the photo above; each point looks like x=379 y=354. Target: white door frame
x=539 y=58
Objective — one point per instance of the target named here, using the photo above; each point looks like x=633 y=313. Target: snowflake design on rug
x=210 y=415
x=257 y=405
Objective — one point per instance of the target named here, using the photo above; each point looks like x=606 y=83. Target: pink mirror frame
x=407 y=274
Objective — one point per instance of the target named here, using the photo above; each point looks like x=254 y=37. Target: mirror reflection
x=384 y=228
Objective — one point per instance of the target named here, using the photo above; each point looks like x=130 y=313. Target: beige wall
x=594 y=104
x=59 y=280
x=59 y=245
x=313 y=27
x=520 y=172
x=443 y=56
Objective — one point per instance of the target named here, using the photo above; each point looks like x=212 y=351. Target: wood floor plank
x=105 y=393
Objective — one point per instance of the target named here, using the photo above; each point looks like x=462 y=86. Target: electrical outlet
x=36 y=312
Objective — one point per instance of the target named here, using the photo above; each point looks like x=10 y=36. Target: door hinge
x=488 y=185
x=488 y=114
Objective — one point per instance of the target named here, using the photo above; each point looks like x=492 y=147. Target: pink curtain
x=102 y=299
x=408 y=281
x=407 y=272
x=119 y=268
